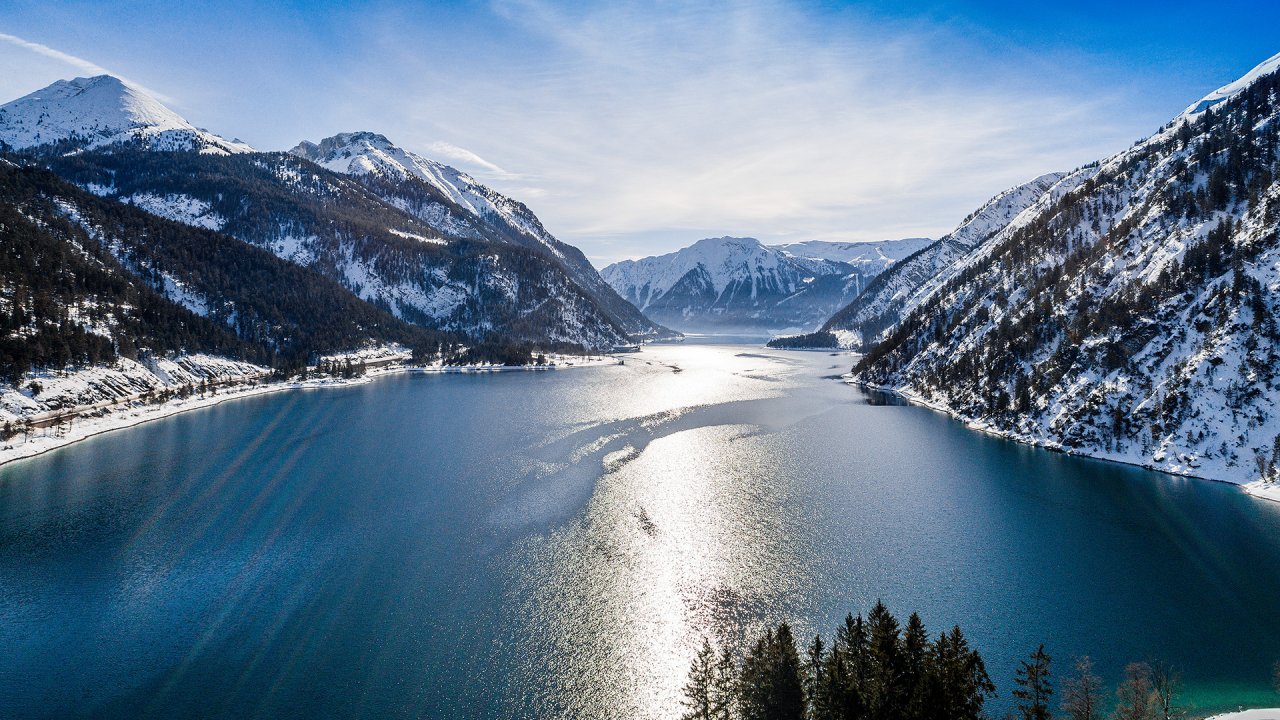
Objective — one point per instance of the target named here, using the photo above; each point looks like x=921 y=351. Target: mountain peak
x=342 y=145
x=1224 y=93
x=746 y=243
x=91 y=112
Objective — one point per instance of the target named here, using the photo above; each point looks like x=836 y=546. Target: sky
x=636 y=128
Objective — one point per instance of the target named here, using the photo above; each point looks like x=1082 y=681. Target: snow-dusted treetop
x=1264 y=68
x=99 y=111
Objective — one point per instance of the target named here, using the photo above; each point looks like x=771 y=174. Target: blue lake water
x=555 y=544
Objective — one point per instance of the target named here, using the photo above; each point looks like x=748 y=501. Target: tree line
x=875 y=669
x=83 y=282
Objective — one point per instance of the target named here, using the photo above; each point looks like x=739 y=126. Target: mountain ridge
x=730 y=283
x=490 y=273
x=451 y=199
x=1129 y=312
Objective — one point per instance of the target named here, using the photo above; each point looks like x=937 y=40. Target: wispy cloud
x=444 y=151
x=81 y=64
x=634 y=126
x=649 y=122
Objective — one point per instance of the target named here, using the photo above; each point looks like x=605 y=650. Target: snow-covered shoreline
x=1259 y=489
x=138 y=412
x=1253 y=714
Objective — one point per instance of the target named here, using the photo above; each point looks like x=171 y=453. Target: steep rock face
x=87 y=113
x=1130 y=314
x=740 y=284
x=454 y=203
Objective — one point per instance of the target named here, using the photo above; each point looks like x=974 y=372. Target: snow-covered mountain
x=89 y=281
x=454 y=203
x=1126 y=310
x=441 y=252
x=741 y=284
x=897 y=291
x=87 y=113
x=873 y=257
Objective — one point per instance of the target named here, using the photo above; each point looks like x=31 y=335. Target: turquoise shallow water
x=555 y=544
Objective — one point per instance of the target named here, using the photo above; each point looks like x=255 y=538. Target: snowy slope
x=456 y=204
x=338 y=227
x=94 y=112
x=416 y=239
x=913 y=280
x=875 y=256
x=1128 y=312
x=740 y=283
x=1230 y=90
x=367 y=153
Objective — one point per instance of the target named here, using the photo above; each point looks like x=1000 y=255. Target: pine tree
x=816 y=680
x=958 y=684
x=772 y=683
x=850 y=689
x=724 y=687
x=885 y=679
x=915 y=654
x=1034 y=686
x=698 y=691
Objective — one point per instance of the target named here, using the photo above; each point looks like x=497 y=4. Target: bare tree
x=1134 y=696
x=1082 y=692
x=1166 y=683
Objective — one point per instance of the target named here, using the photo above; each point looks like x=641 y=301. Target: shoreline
x=1250 y=714
x=83 y=428
x=1257 y=489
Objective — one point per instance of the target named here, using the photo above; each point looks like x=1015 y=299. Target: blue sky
x=636 y=128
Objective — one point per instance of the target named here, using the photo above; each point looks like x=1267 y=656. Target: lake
x=556 y=544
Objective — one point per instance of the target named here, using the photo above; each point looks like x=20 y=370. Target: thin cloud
x=441 y=149
x=646 y=124
x=79 y=63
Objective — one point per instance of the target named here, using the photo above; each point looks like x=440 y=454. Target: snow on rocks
x=180 y=208
x=101 y=111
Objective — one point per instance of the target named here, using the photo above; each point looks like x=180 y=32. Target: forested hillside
x=86 y=280
x=454 y=256
x=333 y=224
x=1131 y=315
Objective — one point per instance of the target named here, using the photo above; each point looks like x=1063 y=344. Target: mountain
x=89 y=281
x=870 y=258
x=403 y=246
x=1127 y=310
x=897 y=291
x=87 y=113
x=741 y=284
x=456 y=204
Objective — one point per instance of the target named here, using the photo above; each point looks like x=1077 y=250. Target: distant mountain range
x=411 y=242
x=739 y=284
